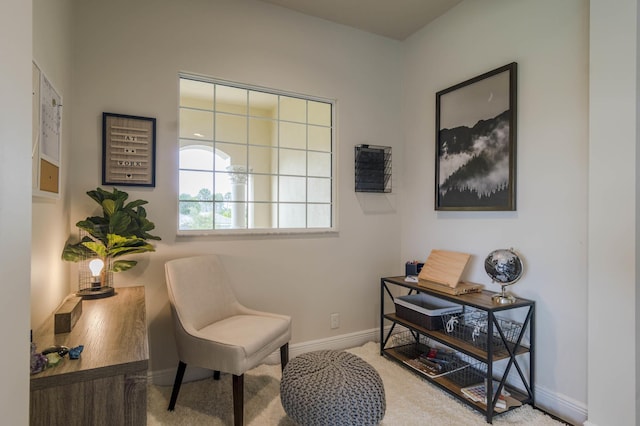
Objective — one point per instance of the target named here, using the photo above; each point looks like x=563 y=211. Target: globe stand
x=503 y=298
x=504 y=267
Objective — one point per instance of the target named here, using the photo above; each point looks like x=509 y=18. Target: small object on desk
x=504 y=267
x=430 y=368
x=411 y=279
x=60 y=350
x=38 y=361
x=461 y=288
x=53 y=359
x=478 y=393
x=74 y=353
x=413 y=267
x=67 y=314
x=440 y=354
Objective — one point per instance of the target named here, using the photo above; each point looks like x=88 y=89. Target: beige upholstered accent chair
x=213 y=330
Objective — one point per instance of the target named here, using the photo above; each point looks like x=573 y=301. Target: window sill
x=259 y=233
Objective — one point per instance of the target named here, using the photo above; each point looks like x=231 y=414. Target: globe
x=505 y=268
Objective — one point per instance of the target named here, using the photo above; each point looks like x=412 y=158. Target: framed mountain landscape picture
x=476 y=143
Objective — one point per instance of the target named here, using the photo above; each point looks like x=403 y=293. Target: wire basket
x=472 y=327
x=409 y=344
x=472 y=373
x=422 y=355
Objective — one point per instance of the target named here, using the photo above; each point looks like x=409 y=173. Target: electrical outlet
x=335 y=320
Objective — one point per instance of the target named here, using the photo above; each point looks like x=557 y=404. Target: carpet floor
x=410 y=400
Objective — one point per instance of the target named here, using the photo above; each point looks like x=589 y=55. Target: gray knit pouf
x=332 y=388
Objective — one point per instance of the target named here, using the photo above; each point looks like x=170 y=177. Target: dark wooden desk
x=108 y=384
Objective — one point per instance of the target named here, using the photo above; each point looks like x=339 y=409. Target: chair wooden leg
x=238 y=400
x=284 y=355
x=176 y=385
x=216 y=375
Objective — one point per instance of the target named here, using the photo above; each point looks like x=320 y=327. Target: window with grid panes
x=254 y=159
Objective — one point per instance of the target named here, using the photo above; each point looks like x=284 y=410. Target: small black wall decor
x=476 y=143
x=373 y=168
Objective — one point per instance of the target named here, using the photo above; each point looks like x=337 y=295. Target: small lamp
x=96 y=266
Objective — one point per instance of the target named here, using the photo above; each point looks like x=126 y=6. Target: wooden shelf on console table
x=516 y=398
x=481 y=300
x=108 y=384
x=461 y=345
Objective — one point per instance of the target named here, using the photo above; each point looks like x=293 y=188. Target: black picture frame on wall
x=476 y=130
x=128 y=150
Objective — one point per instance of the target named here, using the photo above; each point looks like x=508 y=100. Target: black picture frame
x=476 y=132
x=128 y=150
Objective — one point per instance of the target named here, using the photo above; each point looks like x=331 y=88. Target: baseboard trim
x=561 y=406
x=344 y=341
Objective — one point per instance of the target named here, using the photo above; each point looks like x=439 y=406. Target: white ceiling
x=396 y=19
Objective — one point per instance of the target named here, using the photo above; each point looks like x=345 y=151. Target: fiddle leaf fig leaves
x=122 y=230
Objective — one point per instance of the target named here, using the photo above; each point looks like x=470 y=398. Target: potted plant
x=123 y=229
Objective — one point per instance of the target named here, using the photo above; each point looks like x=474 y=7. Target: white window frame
x=333 y=228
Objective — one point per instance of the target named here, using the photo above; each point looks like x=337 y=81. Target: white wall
x=613 y=213
x=129 y=62
x=549 y=41
x=15 y=206
x=52 y=45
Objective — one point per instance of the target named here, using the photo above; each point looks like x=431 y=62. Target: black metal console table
x=405 y=341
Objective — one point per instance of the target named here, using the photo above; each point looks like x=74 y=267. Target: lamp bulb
x=96 y=266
